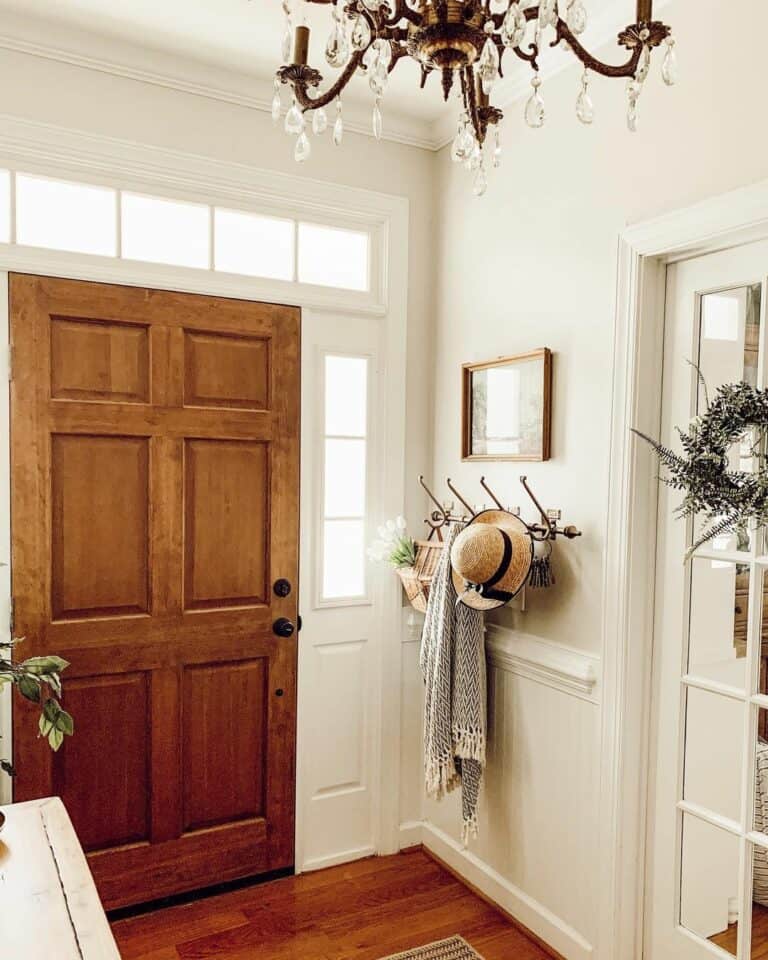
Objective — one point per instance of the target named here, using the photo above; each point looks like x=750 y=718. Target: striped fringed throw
x=453 y=666
x=454 y=948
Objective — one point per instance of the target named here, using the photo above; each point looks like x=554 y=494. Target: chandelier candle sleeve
x=301 y=46
x=467 y=44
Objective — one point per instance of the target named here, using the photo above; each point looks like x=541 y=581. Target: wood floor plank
x=360 y=911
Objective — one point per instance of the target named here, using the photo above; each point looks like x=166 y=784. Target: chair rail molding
x=627 y=629
x=566 y=669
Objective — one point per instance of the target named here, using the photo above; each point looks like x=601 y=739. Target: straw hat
x=491 y=559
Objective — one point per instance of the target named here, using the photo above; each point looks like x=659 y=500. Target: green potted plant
x=38 y=679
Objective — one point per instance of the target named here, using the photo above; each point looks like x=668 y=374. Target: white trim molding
x=629 y=561
x=533 y=915
x=572 y=672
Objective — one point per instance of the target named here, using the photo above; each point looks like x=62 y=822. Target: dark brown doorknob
x=282 y=627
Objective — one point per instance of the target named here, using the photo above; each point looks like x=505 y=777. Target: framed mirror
x=507 y=408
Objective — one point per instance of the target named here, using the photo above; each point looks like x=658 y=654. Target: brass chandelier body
x=465 y=43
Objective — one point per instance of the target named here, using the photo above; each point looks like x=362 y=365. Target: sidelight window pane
x=60 y=215
x=346 y=396
x=343 y=559
x=330 y=257
x=344 y=478
x=252 y=245
x=166 y=231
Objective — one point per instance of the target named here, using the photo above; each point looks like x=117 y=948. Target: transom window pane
x=166 y=231
x=330 y=257
x=345 y=450
x=253 y=245
x=59 y=215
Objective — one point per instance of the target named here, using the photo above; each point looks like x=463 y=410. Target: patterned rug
x=453 y=949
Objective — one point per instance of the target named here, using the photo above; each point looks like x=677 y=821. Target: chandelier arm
x=301 y=82
x=628 y=69
x=470 y=102
x=401 y=11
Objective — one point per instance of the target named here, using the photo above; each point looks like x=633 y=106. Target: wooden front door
x=155 y=456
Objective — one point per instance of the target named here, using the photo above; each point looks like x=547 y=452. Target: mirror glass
x=709 y=883
x=729 y=343
x=507 y=408
x=714 y=734
x=719 y=614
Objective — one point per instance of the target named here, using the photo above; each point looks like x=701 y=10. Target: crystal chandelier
x=463 y=42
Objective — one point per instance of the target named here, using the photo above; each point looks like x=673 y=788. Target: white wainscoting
x=538 y=823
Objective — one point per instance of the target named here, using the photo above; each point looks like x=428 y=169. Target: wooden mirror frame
x=467 y=371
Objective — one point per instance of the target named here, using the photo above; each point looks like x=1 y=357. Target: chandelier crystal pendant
x=463 y=42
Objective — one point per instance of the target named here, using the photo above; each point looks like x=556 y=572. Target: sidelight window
x=345 y=477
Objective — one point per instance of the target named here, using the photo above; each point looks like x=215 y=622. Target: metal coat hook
x=490 y=492
x=544 y=515
x=456 y=493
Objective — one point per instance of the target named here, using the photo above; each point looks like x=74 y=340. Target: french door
x=707 y=872
x=155 y=487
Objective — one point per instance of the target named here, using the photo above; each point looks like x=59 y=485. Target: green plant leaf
x=29 y=688
x=55 y=739
x=39 y=666
x=65 y=723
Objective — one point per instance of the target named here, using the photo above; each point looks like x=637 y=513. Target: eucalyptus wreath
x=726 y=499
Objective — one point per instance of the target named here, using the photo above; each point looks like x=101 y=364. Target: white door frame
x=70 y=154
x=628 y=579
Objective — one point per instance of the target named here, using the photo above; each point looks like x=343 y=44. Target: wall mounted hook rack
x=547 y=528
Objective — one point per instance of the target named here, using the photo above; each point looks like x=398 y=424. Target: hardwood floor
x=727 y=939
x=361 y=911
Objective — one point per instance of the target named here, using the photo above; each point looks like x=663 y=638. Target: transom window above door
x=57 y=214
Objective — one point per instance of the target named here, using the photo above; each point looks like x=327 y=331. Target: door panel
x=226 y=540
x=154 y=501
x=100 y=530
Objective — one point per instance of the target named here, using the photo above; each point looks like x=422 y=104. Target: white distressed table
x=49 y=906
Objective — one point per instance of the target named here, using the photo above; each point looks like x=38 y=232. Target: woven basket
x=418 y=578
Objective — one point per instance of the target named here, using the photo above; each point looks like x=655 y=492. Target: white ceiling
x=243 y=37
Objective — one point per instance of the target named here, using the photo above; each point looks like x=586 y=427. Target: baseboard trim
x=411 y=834
x=346 y=856
x=554 y=934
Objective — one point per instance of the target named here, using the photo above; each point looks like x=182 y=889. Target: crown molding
x=252 y=91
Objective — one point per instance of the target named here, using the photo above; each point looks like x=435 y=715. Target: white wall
x=533 y=264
